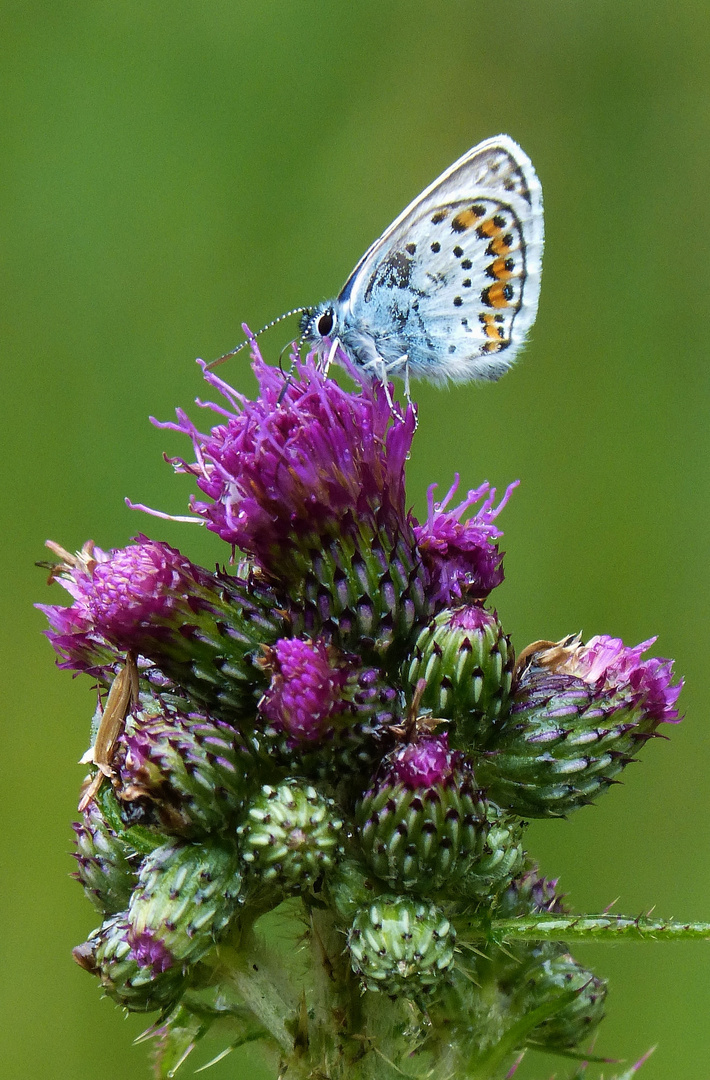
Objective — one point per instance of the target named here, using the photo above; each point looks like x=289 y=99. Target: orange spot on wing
x=498 y=246
x=489 y=228
x=499 y=270
x=491 y=329
x=496 y=296
x=464 y=220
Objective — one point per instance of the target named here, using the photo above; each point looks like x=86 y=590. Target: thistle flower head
x=615 y=671
x=117 y=592
x=462 y=555
x=302 y=460
x=306 y=689
x=424 y=763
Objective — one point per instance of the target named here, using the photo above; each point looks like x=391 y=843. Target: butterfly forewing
x=446 y=290
x=451 y=287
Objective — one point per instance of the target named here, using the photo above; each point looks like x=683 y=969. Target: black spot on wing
x=393 y=272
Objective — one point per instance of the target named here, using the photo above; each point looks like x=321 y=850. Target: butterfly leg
x=380 y=371
x=335 y=345
x=407 y=392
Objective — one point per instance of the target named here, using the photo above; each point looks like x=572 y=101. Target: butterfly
x=451 y=288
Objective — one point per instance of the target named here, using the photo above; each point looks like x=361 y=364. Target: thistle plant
x=337 y=726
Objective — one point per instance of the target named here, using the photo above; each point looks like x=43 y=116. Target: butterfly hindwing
x=451 y=287
x=446 y=290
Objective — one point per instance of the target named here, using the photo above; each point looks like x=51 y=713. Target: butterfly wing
x=451 y=288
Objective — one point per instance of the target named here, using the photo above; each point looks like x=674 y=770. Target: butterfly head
x=319 y=324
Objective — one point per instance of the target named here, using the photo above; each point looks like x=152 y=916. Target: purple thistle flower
x=308 y=481
x=119 y=592
x=306 y=691
x=203 y=630
x=578 y=714
x=424 y=763
x=325 y=713
x=616 y=671
x=301 y=461
x=149 y=951
x=462 y=556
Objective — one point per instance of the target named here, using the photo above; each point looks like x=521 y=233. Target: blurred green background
x=172 y=168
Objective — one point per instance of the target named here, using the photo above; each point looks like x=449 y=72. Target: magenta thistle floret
x=614 y=668
x=462 y=555
x=301 y=460
x=117 y=593
x=306 y=692
x=424 y=763
x=150 y=951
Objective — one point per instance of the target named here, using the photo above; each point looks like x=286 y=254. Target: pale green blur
x=173 y=168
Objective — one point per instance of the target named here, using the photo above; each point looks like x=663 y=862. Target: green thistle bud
x=530 y=893
x=139 y=987
x=424 y=822
x=501 y=859
x=577 y=1020
x=348 y=887
x=291 y=835
x=366 y=588
x=577 y=716
x=401 y=945
x=467 y=663
x=193 y=771
x=187 y=894
x=107 y=865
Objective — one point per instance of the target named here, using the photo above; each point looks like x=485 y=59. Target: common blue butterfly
x=451 y=288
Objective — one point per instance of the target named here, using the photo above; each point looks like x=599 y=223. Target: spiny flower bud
x=349 y=886
x=290 y=837
x=107 y=865
x=467 y=662
x=204 y=631
x=530 y=894
x=501 y=860
x=424 y=822
x=308 y=480
x=324 y=711
x=401 y=945
x=153 y=982
x=577 y=715
x=507 y=964
x=577 y=1020
x=186 y=897
x=194 y=771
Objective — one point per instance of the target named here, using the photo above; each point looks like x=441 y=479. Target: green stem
x=247 y=969
x=587 y=928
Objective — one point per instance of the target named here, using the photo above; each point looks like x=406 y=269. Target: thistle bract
x=338 y=730
x=107 y=865
x=398 y=944
x=578 y=715
x=467 y=663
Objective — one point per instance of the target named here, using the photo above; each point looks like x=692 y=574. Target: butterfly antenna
x=247 y=341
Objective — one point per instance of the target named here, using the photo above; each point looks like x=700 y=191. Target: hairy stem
x=588 y=928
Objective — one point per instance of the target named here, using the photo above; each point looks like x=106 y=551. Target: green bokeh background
x=171 y=168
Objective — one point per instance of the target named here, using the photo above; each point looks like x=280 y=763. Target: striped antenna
x=243 y=345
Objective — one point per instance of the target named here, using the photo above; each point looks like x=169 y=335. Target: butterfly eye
x=325 y=323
